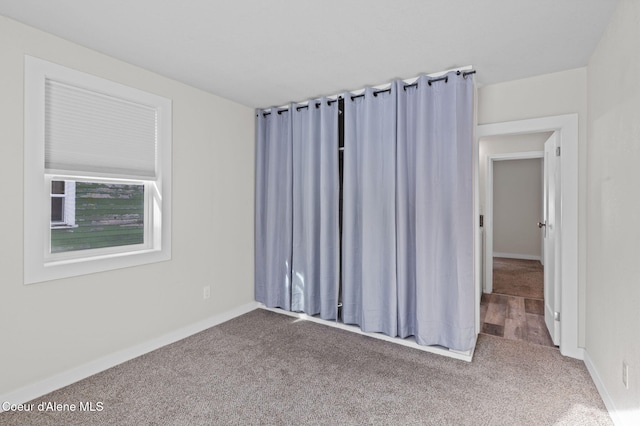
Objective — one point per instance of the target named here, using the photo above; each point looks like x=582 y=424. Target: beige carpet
x=267 y=368
x=518 y=277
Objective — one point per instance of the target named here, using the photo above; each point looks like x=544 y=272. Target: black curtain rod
x=382 y=91
x=465 y=74
x=264 y=114
x=435 y=80
x=361 y=95
x=429 y=82
x=317 y=104
x=409 y=85
x=298 y=108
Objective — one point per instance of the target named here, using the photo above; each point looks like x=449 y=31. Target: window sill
x=63 y=226
x=56 y=269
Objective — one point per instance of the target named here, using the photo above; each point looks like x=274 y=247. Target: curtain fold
x=315 y=258
x=368 y=236
x=273 y=209
x=435 y=212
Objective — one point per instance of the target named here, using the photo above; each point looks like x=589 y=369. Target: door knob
x=541 y=224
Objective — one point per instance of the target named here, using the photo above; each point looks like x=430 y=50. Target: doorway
x=566 y=127
x=493 y=151
x=512 y=305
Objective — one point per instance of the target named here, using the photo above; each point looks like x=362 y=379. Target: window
x=108 y=215
x=63 y=204
x=98 y=164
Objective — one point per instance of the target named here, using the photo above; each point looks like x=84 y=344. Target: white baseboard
x=619 y=417
x=409 y=341
x=60 y=380
x=518 y=256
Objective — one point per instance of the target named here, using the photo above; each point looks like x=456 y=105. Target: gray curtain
x=408 y=212
x=316 y=249
x=297 y=194
x=369 y=214
x=273 y=209
x=435 y=212
x=407 y=241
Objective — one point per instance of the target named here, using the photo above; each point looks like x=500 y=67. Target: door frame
x=488 y=209
x=567 y=128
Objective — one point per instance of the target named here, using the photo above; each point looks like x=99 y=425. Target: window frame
x=39 y=263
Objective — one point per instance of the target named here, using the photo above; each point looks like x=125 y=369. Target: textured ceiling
x=264 y=53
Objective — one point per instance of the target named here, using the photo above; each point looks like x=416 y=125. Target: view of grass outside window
x=106 y=215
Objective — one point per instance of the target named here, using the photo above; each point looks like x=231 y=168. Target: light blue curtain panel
x=369 y=212
x=316 y=191
x=407 y=220
x=435 y=212
x=273 y=204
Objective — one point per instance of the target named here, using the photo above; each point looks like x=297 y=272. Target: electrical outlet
x=625 y=374
x=206 y=292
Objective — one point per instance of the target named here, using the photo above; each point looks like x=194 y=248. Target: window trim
x=39 y=264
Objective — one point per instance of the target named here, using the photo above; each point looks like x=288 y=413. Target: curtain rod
x=465 y=74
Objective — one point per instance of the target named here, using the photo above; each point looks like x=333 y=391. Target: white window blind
x=90 y=132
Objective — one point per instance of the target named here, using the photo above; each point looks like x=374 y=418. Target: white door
x=551 y=228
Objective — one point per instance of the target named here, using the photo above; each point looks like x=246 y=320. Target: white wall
x=613 y=271
x=51 y=327
x=542 y=96
x=505 y=144
x=517 y=208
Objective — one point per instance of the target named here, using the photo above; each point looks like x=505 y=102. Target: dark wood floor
x=515 y=318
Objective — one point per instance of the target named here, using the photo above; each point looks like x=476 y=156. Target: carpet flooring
x=268 y=368
x=518 y=277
